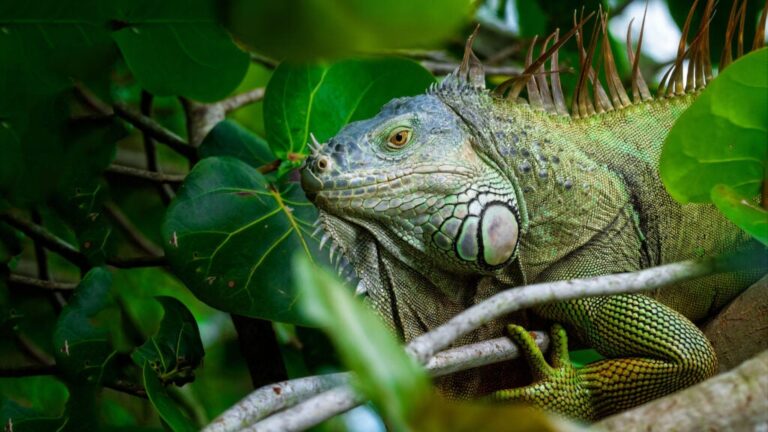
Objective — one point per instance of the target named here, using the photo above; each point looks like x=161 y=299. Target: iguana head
x=415 y=178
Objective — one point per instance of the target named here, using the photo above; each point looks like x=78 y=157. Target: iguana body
x=445 y=199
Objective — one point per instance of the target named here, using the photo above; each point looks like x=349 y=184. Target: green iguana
x=444 y=199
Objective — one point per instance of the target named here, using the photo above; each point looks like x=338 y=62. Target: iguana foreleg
x=651 y=351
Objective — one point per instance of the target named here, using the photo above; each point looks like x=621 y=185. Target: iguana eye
x=399 y=138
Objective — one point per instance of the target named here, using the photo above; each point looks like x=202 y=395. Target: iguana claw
x=555 y=388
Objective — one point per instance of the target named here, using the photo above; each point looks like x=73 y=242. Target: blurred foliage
x=718 y=149
x=119 y=343
x=305 y=30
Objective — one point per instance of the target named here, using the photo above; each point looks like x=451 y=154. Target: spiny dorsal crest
x=543 y=89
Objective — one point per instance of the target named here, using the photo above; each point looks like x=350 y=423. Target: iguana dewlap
x=447 y=198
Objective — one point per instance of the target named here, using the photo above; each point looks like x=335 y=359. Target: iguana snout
x=413 y=175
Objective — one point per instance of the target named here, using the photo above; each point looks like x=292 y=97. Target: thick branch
x=154 y=130
x=423 y=347
x=740 y=330
x=736 y=400
x=275 y=397
x=518 y=298
x=17 y=279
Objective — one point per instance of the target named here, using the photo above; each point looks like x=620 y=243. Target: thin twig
x=240 y=100
x=32 y=350
x=51 y=242
x=150 y=149
x=264 y=61
x=126 y=387
x=130 y=230
x=155 y=130
x=146 y=175
x=17 y=279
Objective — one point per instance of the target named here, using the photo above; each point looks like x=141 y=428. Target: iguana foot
x=557 y=388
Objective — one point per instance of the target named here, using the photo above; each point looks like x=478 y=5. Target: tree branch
x=17 y=279
x=518 y=298
x=130 y=230
x=512 y=300
x=201 y=118
x=150 y=149
x=40 y=234
x=275 y=397
x=146 y=175
x=154 y=130
x=735 y=400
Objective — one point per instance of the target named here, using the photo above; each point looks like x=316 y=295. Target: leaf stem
x=146 y=175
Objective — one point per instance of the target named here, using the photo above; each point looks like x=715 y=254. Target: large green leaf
x=165 y=405
x=175 y=351
x=321 y=99
x=229 y=236
x=318 y=29
x=22 y=419
x=392 y=379
x=84 y=332
x=723 y=137
x=228 y=138
x=717 y=151
x=176 y=48
x=742 y=211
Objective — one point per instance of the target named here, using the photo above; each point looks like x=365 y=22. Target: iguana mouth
x=375 y=182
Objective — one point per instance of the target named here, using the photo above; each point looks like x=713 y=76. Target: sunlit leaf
x=742 y=211
x=175 y=351
x=229 y=236
x=723 y=137
x=168 y=409
x=322 y=99
x=387 y=374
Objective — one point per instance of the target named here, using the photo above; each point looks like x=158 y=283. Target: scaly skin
x=488 y=194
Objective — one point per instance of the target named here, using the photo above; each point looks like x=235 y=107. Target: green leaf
x=318 y=99
x=229 y=236
x=84 y=331
x=742 y=211
x=228 y=138
x=317 y=29
x=392 y=379
x=166 y=407
x=175 y=351
x=723 y=137
x=176 y=48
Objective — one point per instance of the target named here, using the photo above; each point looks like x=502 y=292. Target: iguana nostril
x=323 y=163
